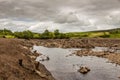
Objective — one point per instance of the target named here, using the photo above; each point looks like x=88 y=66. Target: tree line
x=32 y=35
x=56 y=34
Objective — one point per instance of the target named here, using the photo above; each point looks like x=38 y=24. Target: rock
x=37 y=64
x=48 y=58
x=69 y=55
x=33 y=57
x=43 y=58
x=40 y=74
x=84 y=70
x=35 y=51
x=119 y=77
x=20 y=62
x=36 y=54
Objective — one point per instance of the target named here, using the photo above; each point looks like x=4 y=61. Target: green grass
x=9 y=36
x=114 y=33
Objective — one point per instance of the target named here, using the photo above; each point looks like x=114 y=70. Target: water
x=107 y=49
x=64 y=67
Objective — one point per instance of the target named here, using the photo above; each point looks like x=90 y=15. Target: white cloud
x=41 y=26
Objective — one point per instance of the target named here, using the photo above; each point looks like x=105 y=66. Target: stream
x=64 y=66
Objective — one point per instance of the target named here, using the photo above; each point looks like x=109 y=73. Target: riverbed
x=64 y=66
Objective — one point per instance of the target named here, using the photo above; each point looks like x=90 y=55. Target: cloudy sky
x=65 y=15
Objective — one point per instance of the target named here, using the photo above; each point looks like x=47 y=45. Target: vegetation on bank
x=32 y=35
x=114 y=33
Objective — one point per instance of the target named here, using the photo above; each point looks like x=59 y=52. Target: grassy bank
x=113 y=33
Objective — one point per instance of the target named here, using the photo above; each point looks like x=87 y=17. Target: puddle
x=64 y=67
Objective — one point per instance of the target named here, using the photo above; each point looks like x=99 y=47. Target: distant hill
x=105 y=30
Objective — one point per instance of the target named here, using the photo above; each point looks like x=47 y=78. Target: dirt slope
x=11 y=52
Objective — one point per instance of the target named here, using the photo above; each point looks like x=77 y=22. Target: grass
x=7 y=36
x=114 y=33
x=103 y=34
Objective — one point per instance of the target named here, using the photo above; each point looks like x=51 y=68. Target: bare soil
x=11 y=68
x=14 y=50
x=78 y=43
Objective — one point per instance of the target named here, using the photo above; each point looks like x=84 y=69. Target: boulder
x=84 y=70
x=44 y=58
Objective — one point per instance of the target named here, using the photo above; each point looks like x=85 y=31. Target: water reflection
x=64 y=67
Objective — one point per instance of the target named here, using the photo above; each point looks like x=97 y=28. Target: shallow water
x=64 y=67
x=107 y=49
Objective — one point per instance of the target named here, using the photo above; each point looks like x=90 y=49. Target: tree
x=25 y=34
x=56 y=32
x=51 y=35
x=28 y=34
x=45 y=34
x=6 y=32
x=18 y=34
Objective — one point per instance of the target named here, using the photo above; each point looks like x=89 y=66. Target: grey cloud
x=39 y=10
x=51 y=10
x=66 y=18
x=46 y=9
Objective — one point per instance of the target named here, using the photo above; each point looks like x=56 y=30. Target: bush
x=25 y=34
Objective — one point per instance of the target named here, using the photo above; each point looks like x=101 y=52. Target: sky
x=65 y=15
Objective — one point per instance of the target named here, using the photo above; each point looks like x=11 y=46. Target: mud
x=78 y=43
x=12 y=51
x=112 y=57
x=16 y=62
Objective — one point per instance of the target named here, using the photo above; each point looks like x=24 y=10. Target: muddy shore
x=78 y=43
x=85 y=43
x=14 y=50
x=16 y=62
x=112 y=57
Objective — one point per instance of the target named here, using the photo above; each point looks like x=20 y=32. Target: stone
x=84 y=70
